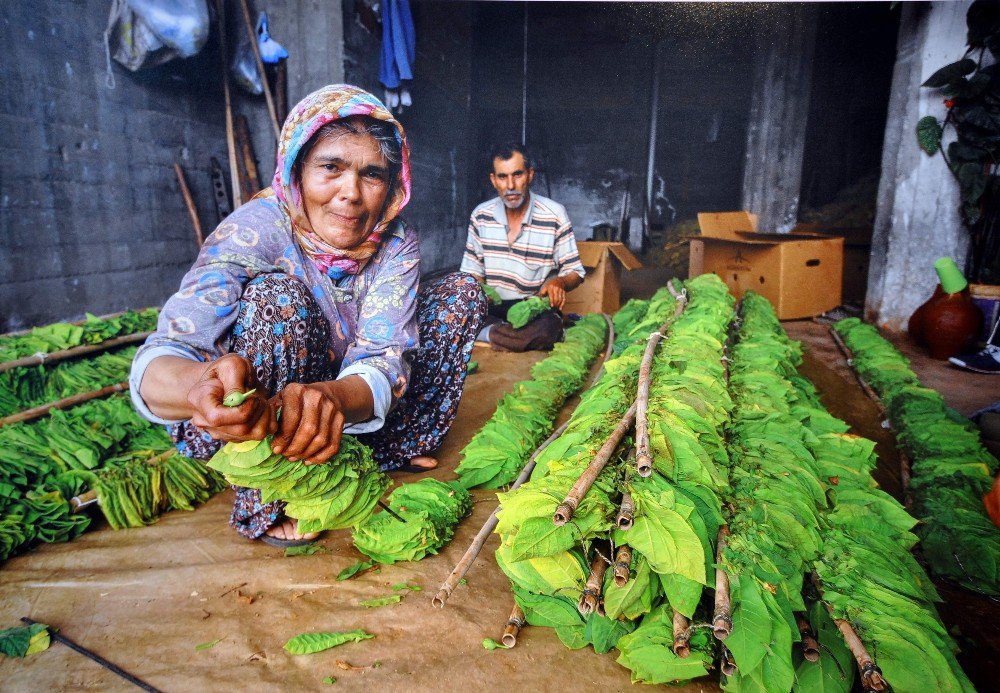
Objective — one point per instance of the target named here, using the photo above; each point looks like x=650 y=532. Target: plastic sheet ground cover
x=430 y=510
x=524 y=417
x=337 y=494
x=951 y=470
x=101 y=445
x=804 y=500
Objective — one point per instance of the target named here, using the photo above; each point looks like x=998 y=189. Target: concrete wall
x=90 y=212
x=917 y=218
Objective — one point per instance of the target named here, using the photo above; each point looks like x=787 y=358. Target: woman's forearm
x=355 y=397
x=166 y=383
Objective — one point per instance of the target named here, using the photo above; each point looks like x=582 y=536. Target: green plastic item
x=952 y=280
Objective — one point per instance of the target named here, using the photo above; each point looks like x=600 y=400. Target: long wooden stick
x=592 y=598
x=234 y=174
x=85 y=499
x=643 y=458
x=564 y=513
x=470 y=555
x=810 y=648
x=39 y=359
x=44 y=409
x=252 y=35
x=251 y=177
x=623 y=565
x=682 y=635
x=871 y=675
x=199 y=237
x=722 y=621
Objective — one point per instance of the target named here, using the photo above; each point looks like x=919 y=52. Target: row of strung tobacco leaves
x=951 y=469
x=63 y=335
x=101 y=446
x=785 y=459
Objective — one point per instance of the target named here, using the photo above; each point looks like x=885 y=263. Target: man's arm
x=556 y=288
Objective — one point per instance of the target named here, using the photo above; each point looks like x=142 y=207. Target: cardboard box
x=857 y=255
x=800 y=273
x=601 y=288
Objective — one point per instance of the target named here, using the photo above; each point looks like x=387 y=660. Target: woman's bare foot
x=288 y=529
x=423 y=462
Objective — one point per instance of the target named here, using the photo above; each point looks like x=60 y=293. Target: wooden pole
x=626 y=513
x=252 y=35
x=44 y=409
x=514 y=625
x=623 y=565
x=251 y=177
x=39 y=359
x=448 y=586
x=643 y=458
x=564 y=513
x=728 y=664
x=281 y=89
x=722 y=621
x=234 y=175
x=871 y=675
x=592 y=598
x=682 y=635
x=199 y=237
x=810 y=648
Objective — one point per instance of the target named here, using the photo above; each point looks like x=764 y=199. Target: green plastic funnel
x=951 y=277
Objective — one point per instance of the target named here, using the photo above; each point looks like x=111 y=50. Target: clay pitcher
x=949 y=322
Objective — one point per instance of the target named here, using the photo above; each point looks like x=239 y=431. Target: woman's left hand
x=311 y=423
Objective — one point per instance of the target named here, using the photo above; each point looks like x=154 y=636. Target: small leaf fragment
x=404 y=586
x=330 y=679
x=309 y=643
x=491 y=644
x=381 y=601
x=305 y=550
x=208 y=645
x=352 y=570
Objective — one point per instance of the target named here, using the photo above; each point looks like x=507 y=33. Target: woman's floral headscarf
x=326 y=105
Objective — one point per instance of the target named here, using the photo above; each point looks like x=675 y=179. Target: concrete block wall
x=91 y=216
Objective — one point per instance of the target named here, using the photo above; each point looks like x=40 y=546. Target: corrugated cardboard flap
x=591 y=253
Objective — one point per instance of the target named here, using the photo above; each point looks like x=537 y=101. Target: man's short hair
x=506 y=151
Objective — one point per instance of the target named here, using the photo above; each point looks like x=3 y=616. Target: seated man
x=522 y=245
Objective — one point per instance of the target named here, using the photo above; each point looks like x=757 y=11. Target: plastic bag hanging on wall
x=398 y=52
x=146 y=33
x=242 y=63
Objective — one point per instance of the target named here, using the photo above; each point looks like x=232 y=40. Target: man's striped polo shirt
x=545 y=245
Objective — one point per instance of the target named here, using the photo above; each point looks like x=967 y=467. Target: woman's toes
x=424 y=462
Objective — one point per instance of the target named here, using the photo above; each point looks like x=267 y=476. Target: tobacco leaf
x=21 y=641
x=381 y=601
x=208 y=645
x=491 y=644
x=355 y=568
x=309 y=643
x=305 y=550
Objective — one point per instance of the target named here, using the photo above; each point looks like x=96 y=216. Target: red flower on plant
x=949 y=103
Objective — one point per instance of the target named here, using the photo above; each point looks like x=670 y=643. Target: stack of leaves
x=523 y=312
x=951 y=470
x=63 y=335
x=430 y=510
x=27 y=387
x=339 y=493
x=524 y=417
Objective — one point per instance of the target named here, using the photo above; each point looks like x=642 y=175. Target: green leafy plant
x=310 y=643
x=971 y=87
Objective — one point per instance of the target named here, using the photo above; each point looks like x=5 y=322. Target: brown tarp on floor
x=144 y=598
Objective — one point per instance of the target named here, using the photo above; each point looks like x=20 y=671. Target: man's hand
x=252 y=420
x=312 y=423
x=555 y=289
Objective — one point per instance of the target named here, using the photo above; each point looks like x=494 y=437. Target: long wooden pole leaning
x=722 y=620
x=643 y=458
x=199 y=237
x=564 y=513
x=39 y=359
x=234 y=174
x=44 y=409
x=514 y=625
x=871 y=675
x=252 y=35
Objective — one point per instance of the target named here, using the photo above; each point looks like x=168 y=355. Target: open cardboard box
x=800 y=273
x=601 y=288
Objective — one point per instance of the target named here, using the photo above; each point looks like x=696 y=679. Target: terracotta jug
x=949 y=322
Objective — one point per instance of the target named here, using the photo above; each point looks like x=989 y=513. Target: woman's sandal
x=285 y=543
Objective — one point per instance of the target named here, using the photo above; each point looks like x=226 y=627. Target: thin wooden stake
x=564 y=513
x=234 y=174
x=626 y=513
x=623 y=565
x=252 y=35
x=871 y=675
x=189 y=203
x=722 y=621
x=592 y=598
x=514 y=625
x=37 y=412
x=728 y=664
x=682 y=635
x=643 y=458
x=810 y=647
x=39 y=359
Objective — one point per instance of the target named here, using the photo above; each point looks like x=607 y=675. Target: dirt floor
x=146 y=598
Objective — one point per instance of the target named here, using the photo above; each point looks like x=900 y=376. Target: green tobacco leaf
x=381 y=601
x=305 y=550
x=949 y=73
x=352 y=570
x=491 y=644
x=208 y=645
x=18 y=641
x=929 y=134
x=751 y=625
x=236 y=398
x=330 y=679
x=403 y=586
x=308 y=643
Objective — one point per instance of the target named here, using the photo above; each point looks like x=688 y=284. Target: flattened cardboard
x=601 y=288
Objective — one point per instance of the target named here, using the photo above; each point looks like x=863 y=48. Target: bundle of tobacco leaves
x=61 y=335
x=524 y=417
x=339 y=493
x=951 y=470
x=523 y=312
x=430 y=510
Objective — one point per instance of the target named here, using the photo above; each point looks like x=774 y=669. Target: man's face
x=511 y=178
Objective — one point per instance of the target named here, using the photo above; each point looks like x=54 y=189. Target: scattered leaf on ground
x=352 y=570
x=330 y=679
x=308 y=643
x=208 y=645
x=381 y=601
x=403 y=586
x=305 y=550
x=491 y=644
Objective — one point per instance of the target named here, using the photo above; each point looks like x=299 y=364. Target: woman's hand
x=312 y=422
x=252 y=420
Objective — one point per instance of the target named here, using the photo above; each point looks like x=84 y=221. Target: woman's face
x=344 y=182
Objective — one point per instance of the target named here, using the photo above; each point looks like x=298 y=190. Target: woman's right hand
x=252 y=420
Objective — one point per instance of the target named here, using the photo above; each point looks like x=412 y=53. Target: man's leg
x=541 y=334
x=450 y=311
x=281 y=330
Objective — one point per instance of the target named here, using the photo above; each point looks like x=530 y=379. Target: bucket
x=987 y=299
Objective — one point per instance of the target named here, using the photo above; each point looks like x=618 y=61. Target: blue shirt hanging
x=399 y=43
